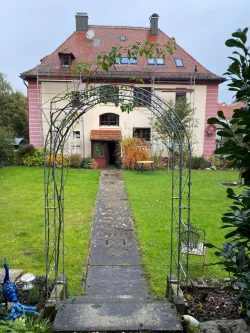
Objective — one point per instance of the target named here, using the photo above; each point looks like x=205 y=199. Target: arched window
x=109 y=119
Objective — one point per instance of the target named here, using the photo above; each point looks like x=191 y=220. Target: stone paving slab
x=15 y=274
x=129 y=281
x=114 y=247
x=120 y=316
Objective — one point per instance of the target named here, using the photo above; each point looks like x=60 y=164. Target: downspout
x=28 y=109
x=25 y=83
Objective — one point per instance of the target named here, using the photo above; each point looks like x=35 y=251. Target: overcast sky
x=31 y=29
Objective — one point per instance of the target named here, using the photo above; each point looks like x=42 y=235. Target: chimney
x=154 y=24
x=82 y=21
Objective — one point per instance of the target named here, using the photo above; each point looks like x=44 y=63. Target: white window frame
x=156 y=61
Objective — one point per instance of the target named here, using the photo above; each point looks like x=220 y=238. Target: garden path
x=117 y=296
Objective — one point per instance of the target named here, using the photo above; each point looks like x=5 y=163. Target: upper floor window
x=156 y=61
x=125 y=61
x=76 y=134
x=109 y=119
x=109 y=94
x=75 y=96
x=142 y=96
x=178 y=62
x=180 y=95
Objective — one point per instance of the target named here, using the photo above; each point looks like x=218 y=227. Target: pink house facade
x=169 y=78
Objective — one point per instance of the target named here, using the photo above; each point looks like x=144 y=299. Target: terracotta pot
x=92 y=165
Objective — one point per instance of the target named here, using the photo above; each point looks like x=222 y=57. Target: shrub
x=198 y=162
x=158 y=159
x=235 y=252
x=218 y=162
x=23 y=152
x=36 y=159
x=75 y=161
x=60 y=159
x=133 y=150
x=26 y=325
x=3 y=312
x=6 y=147
x=85 y=162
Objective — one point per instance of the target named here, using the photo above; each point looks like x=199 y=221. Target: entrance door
x=104 y=153
x=112 y=145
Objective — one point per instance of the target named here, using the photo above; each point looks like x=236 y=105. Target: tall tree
x=185 y=112
x=13 y=109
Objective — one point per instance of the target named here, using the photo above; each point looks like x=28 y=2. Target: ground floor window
x=142 y=133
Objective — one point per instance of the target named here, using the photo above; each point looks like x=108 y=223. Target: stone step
x=98 y=315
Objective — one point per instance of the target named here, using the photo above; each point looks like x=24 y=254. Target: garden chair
x=192 y=242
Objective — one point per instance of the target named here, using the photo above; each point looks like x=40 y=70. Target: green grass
x=22 y=220
x=149 y=195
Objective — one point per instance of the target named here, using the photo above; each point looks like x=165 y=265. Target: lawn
x=22 y=220
x=149 y=195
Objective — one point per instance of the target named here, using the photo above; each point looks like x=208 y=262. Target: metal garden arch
x=65 y=110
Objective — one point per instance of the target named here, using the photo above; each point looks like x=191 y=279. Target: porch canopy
x=105 y=135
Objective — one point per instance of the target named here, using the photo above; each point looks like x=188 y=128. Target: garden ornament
x=10 y=292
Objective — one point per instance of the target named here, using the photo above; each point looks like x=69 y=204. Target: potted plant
x=93 y=164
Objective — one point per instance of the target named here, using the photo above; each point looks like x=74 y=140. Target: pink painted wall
x=35 y=116
x=211 y=111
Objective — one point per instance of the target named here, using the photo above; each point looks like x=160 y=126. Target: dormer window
x=66 y=58
x=156 y=61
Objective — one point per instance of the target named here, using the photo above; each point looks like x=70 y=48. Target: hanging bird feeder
x=28 y=280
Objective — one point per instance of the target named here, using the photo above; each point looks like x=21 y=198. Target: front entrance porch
x=104 y=144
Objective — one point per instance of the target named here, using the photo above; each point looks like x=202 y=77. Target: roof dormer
x=66 y=58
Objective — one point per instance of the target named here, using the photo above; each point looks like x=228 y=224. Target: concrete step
x=116 y=315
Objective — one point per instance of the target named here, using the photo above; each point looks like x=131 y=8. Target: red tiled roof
x=108 y=37
x=106 y=135
x=228 y=109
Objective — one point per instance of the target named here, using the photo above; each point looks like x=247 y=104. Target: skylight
x=156 y=61
x=179 y=62
x=125 y=61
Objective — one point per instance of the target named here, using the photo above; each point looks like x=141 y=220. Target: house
x=228 y=110
x=97 y=132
